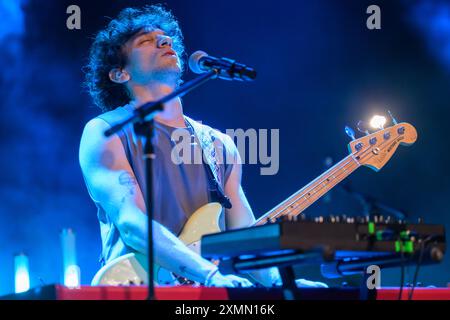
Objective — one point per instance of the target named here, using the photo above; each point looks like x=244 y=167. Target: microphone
x=200 y=62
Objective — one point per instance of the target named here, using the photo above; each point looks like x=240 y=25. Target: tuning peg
x=392 y=117
x=363 y=127
x=350 y=132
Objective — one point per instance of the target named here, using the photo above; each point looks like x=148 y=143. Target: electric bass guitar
x=373 y=150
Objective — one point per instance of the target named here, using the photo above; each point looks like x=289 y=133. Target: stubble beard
x=168 y=75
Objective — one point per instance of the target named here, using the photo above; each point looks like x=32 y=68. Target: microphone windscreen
x=194 y=61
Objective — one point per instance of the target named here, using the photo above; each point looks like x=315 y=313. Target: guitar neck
x=302 y=199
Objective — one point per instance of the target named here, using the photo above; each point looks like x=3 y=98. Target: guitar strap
x=205 y=138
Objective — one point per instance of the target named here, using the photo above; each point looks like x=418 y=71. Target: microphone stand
x=142 y=119
x=371 y=205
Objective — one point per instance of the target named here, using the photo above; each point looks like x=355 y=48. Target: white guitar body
x=132 y=268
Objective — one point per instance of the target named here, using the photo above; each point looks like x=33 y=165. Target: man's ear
x=119 y=75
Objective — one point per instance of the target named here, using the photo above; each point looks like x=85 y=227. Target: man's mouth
x=170 y=53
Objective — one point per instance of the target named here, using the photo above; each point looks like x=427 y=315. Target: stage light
x=21 y=273
x=378 y=122
x=72 y=276
x=71 y=271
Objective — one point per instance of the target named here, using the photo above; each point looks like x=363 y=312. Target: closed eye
x=144 y=41
x=146 y=37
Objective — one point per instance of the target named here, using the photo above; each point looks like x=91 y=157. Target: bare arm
x=112 y=183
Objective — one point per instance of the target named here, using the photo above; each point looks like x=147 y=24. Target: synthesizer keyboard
x=349 y=242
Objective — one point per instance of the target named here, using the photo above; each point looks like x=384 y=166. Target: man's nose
x=164 y=41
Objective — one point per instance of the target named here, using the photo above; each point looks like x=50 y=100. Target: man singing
x=137 y=58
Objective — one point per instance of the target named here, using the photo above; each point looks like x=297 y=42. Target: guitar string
x=322 y=183
x=297 y=197
x=274 y=214
x=289 y=208
x=363 y=153
x=338 y=167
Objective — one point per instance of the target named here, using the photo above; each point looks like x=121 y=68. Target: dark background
x=319 y=69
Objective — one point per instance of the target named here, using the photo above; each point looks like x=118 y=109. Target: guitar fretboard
x=302 y=199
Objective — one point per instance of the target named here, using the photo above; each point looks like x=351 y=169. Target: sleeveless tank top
x=178 y=189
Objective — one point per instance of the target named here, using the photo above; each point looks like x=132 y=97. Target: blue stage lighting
x=70 y=267
x=21 y=273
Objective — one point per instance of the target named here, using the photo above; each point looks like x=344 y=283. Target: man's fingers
x=241 y=282
x=303 y=283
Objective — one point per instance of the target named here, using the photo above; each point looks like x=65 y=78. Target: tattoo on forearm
x=128 y=180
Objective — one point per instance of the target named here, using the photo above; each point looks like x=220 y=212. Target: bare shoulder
x=94 y=128
x=93 y=134
x=95 y=148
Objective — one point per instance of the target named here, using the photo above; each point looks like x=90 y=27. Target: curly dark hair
x=107 y=51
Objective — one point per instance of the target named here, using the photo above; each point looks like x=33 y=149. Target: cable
x=416 y=273
x=402 y=272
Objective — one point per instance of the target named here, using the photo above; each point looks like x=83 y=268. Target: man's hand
x=229 y=280
x=303 y=283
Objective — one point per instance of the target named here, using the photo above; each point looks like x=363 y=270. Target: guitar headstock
x=374 y=150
